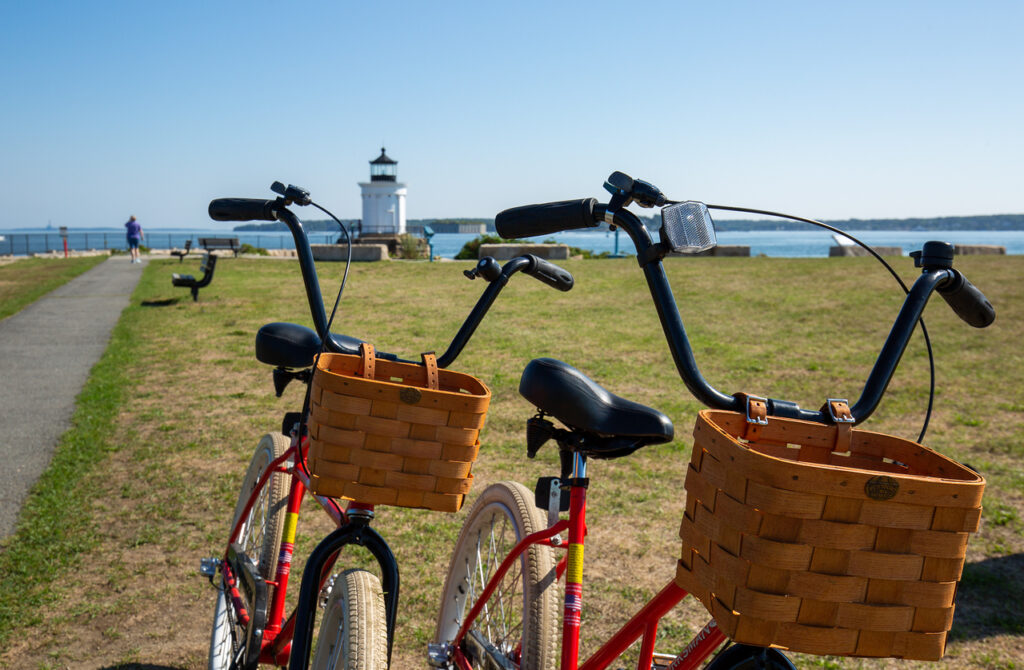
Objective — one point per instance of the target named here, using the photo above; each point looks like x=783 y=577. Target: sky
x=822 y=109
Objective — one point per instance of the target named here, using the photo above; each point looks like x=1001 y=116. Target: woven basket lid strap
x=430 y=363
x=369 y=360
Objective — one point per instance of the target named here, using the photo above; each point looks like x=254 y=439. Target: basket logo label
x=881 y=487
x=410 y=395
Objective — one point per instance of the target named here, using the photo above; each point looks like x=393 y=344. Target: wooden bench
x=215 y=243
x=181 y=253
x=209 y=263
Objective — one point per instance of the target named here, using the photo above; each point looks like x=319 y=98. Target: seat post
x=573 y=462
x=573 y=602
x=579 y=465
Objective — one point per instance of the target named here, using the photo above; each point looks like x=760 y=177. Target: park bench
x=181 y=253
x=209 y=263
x=215 y=243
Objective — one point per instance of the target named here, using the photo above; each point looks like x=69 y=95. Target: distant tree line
x=980 y=222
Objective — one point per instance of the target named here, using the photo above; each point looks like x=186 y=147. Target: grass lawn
x=103 y=570
x=24 y=281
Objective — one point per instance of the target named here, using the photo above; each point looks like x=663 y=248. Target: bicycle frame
x=282 y=639
x=643 y=624
x=288 y=641
x=533 y=220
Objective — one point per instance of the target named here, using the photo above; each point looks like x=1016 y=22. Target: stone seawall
x=979 y=249
x=360 y=252
x=851 y=250
x=503 y=252
x=736 y=250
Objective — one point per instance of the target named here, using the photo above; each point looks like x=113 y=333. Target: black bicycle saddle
x=558 y=389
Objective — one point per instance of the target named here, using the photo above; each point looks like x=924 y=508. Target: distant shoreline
x=977 y=222
x=991 y=222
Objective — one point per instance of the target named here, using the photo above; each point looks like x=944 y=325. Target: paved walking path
x=46 y=353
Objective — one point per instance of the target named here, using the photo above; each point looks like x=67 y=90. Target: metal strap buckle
x=755 y=416
x=609 y=217
x=839 y=410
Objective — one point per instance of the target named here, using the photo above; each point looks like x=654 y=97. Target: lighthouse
x=383 y=198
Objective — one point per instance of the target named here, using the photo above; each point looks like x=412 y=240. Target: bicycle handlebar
x=248 y=209
x=548 y=273
x=965 y=299
x=242 y=209
x=545 y=219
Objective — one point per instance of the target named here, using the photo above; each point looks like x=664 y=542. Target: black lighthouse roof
x=383 y=167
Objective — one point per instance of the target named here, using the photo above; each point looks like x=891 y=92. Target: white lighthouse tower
x=383 y=198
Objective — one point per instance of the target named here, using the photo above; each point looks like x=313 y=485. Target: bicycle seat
x=293 y=347
x=617 y=426
x=287 y=345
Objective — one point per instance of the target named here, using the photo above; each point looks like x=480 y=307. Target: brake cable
x=866 y=247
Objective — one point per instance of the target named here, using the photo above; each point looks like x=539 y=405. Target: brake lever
x=292 y=193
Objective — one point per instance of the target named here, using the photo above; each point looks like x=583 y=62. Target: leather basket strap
x=430 y=363
x=840 y=412
x=369 y=364
x=757 y=415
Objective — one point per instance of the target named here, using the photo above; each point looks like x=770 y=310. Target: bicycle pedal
x=661 y=661
x=208 y=567
x=439 y=654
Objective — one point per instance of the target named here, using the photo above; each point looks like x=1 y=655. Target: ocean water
x=777 y=243
x=783 y=243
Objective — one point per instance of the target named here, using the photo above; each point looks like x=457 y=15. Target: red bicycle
x=509 y=600
x=251 y=625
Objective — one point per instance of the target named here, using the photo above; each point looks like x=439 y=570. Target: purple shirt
x=134 y=229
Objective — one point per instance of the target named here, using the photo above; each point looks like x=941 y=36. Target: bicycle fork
x=357 y=532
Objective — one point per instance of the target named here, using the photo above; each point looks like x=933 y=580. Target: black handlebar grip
x=967 y=301
x=549 y=273
x=242 y=209
x=551 y=217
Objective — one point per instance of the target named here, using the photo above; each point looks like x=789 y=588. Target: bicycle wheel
x=260 y=536
x=746 y=657
x=520 y=621
x=353 y=632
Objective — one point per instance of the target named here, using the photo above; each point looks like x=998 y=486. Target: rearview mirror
x=687 y=228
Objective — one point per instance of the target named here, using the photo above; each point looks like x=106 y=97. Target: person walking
x=134 y=237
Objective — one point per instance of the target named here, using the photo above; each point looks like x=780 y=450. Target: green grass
x=24 y=281
x=174 y=409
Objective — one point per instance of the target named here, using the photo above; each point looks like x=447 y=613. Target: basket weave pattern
x=792 y=541
x=388 y=438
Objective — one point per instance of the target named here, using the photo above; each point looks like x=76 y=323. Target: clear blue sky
x=830 y=110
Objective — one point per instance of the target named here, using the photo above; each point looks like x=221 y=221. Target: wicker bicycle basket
x=390 y=433
x=825 y=539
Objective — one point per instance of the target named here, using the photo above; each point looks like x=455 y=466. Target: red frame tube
x=573 y=604
x=284 y=559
